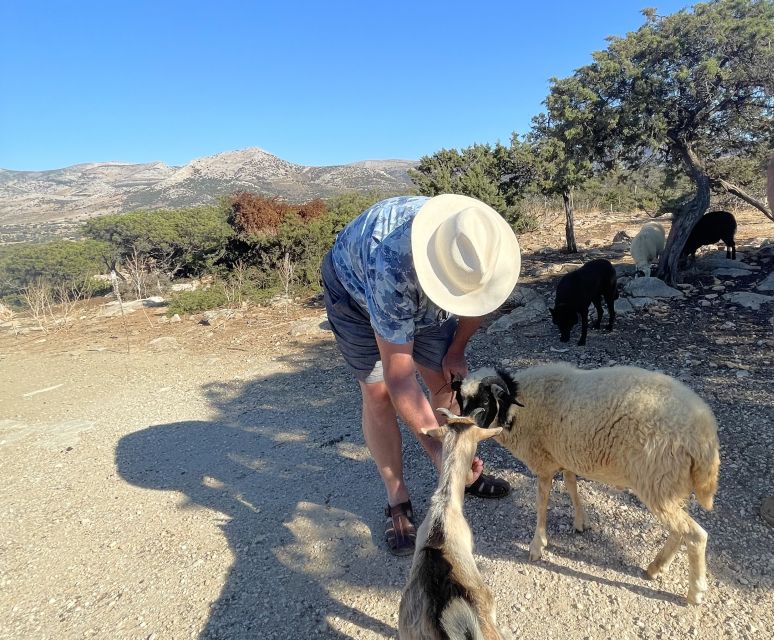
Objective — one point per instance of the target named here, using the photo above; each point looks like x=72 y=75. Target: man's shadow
x=282 y=461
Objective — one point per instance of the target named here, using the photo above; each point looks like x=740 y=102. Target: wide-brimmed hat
x=466 y=255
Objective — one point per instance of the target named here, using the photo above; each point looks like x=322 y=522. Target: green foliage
x=58 y=262
x=181 y=242
x=495 y=175
x=187 y=302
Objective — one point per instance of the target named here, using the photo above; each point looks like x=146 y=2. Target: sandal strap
x=486 y=485
x=400 y=529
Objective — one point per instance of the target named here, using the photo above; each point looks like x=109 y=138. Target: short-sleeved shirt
x=372 y=259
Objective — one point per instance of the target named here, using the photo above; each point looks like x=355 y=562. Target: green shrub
x=187 y=302
x=58 y=262
x=181 y=242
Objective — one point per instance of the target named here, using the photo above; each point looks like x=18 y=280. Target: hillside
x=85 y=190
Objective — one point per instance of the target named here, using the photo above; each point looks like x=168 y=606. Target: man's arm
x=454 y=361
x=406 y=393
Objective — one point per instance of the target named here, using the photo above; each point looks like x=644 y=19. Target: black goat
x=712 y=227
x=577 y=290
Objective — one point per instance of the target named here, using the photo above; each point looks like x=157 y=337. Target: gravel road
x=216 y=485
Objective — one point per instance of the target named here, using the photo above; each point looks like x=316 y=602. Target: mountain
x=86 y=190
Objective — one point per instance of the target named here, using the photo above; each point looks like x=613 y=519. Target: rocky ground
x=209 y=480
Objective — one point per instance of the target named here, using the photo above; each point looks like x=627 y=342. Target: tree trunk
x=686 y=218
x=736 y=191
x=569 y=224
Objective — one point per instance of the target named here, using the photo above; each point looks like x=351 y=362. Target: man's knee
x=376 y=395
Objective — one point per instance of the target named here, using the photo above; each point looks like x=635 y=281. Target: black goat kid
x=577 y=290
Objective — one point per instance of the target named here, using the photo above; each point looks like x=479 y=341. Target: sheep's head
x=564 y=317
x=486 y=396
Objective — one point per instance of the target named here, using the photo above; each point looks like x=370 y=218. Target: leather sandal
x=488 y=487
x=400 y=531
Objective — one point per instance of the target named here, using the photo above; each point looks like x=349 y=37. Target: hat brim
x=505 y=272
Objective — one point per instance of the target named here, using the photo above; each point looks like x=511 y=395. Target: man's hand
x=453 y=364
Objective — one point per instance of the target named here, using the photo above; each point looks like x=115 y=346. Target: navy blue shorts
x=356 y=338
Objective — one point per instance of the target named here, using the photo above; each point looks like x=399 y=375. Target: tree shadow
x=281 y=460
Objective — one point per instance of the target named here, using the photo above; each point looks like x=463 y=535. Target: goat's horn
x=446 y=412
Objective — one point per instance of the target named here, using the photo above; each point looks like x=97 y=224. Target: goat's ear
x=485 y=434
x=438 y=432
x=446 y=412
x=456 y=383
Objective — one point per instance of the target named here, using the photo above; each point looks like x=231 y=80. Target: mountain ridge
x=89 y=189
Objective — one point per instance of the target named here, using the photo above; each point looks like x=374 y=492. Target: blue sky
x=315 y=83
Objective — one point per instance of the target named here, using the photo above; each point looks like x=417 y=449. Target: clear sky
x=317 y=83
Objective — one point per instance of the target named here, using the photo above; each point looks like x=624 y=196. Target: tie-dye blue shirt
x=372 y=258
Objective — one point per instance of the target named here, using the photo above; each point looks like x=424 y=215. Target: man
x=767 y=506
x=392 y=280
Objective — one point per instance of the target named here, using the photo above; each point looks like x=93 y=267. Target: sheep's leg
x=598 y=307
x=664 y=557
x=540 y=540
x=584 y=326
x=684 y=528
x=579 y=522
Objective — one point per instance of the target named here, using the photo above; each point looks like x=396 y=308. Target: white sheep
x=445 y=596
x=647 y=246
x=623 y=426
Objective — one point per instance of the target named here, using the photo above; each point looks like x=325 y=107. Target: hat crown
x=467 y=244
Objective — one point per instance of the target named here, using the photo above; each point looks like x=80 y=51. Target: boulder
x=731 y=273
x=216 y=316
x=767 y=284
x=164 y=343
x=624 y=269
x=714 y=261
x=530 y=308
x=648 y=287
x=622 y=236
x=623 y=306
x=308 y=326
x=748 y=300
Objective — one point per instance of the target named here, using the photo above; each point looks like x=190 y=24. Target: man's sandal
x=400 y=530
x=489 y=487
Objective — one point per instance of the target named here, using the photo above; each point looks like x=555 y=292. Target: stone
x=308 y=326
x=164 y=343
x=112 y=309
x=624 y=270
x=185 y=286
x=748 y=300
x=622 y=236
x=216 y=316
x=648 y=287
x=767 y=284
x=623 y=306
x=731 y=273
x=175 y=318
x=641 y=303
x=712 y=262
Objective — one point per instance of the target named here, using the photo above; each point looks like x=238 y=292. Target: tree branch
x=739 y=193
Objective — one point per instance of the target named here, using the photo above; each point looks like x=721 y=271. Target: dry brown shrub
x=253 y=214
x=313 y=209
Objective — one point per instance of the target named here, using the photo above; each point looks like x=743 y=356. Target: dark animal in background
x=577 y=290
x=711 y=228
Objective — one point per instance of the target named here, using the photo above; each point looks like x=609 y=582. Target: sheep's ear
x=438 y=432
x=485 y=434
x=446 y=412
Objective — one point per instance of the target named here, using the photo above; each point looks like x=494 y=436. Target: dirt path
x=216 y=484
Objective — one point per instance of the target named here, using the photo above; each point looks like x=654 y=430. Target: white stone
x=648 y=287
x=767 y=284
x=748 y=300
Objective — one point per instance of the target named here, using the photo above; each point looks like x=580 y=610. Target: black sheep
x=577 y=290
x=712 y=227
